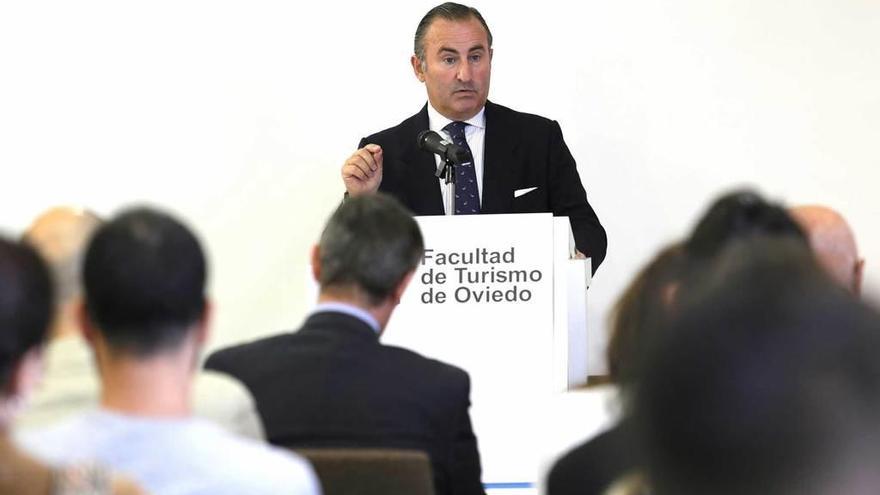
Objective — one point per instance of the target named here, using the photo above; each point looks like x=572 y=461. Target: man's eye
x=449 y=60
x=476 y=58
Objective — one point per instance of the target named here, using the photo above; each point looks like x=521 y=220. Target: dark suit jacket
x=332 y=384
x=520 y=151
x=592 y=467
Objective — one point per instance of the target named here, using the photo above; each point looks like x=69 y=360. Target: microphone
x=434 y=143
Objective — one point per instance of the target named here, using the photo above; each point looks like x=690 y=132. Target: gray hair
x=370 y=243
x=451 y=12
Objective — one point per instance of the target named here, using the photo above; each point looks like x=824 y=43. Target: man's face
x=458 y=65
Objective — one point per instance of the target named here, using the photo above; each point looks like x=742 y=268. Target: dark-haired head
x=144 y=277
x=369 y=245
x=449 y=11
x=737 y=215
x=25 y=305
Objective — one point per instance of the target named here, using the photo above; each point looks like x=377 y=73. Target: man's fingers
x=367 y=159
x=352 y=170
x=361 y=161
x=376 y=152
x=362 y=172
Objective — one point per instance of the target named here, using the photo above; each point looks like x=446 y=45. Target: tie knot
x=455 y=129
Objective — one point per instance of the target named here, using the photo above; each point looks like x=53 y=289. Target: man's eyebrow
x=474 y=48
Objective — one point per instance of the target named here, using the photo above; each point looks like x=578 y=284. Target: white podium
x=501 y=297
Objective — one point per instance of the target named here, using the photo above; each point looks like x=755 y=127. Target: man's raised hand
x=362 y=171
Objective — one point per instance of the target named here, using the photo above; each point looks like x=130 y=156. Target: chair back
x=361 y=471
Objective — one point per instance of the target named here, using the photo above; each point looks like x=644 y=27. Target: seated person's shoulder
x=52 y=443
x=433 y=367
x=230 y=358
x=255 y=465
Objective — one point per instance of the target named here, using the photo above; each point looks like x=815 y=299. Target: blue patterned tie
x=467 y=196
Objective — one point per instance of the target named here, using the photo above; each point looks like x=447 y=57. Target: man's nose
x=464 y=72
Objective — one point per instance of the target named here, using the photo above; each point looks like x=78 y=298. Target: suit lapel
x=499 y=150
x=420 y=166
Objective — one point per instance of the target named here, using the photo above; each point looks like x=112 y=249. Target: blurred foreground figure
x=70 y=382
x=613 y=458
x=767 y=381
x=25 y=313
x=834 y=243
x=146 y=317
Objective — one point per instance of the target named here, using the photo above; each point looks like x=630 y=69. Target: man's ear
x=203 y=327
x=316 y=263
x=858 y=273
x=398 y=291
x=85 y=324
x=417 y=68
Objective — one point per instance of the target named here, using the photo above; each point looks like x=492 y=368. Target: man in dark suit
x=332 y=384
x=518 y=163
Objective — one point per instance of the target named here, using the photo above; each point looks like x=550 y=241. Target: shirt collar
x=436 y=120
x=339 y=307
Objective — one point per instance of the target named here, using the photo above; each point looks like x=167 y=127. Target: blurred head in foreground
x=25 y=311
x=657 y=289
x=144 y=277
x=765 y=381
x=61 y=235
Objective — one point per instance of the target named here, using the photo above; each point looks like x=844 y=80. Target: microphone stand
x=447 y=171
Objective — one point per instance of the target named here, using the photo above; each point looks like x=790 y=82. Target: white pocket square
x=520 y=192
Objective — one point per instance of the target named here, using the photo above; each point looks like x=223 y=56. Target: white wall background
x=238 y=114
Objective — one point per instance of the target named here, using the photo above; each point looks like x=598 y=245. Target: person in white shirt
x=146 y=316
x=70 y=384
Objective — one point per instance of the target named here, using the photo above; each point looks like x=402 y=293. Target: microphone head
x=433 y=142
x=459 y=155
x=427 y=138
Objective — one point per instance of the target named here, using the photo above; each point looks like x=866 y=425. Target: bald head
x=833 y=242
x=61 y=235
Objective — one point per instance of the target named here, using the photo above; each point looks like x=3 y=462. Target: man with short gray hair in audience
x=333 y=384
x=70 y=382
x=146 y=316
x=833 y=243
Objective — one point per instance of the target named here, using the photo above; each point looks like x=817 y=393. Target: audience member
x=594 y=466
x=25 y=313
x=766 y=382
x=834 y=244
x=736 y=215
x=146 y=317
x=331 y=383
x=70 y=382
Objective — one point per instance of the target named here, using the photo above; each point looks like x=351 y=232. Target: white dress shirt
x=474 y=134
